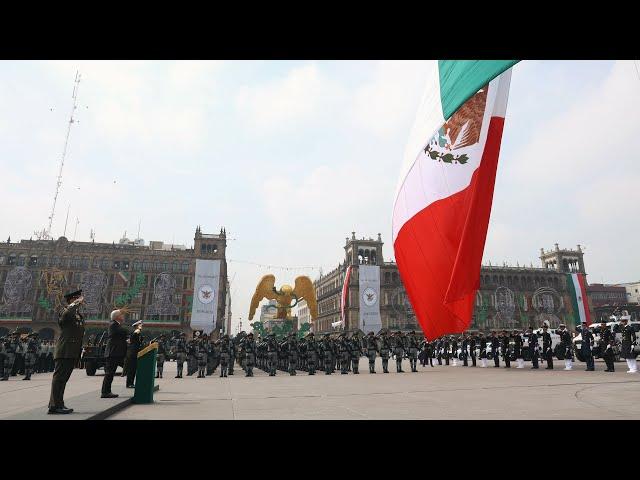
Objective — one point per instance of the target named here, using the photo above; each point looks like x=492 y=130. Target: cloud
x=303 y=94
x=387 y=103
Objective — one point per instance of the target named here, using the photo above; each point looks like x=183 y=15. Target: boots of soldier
x=632 y=363
x=567 y=364
x=27 y=375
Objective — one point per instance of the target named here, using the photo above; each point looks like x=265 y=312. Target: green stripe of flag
x=574 y=299
x=460 y=79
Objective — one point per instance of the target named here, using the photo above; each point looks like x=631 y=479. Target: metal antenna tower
x=76 y=84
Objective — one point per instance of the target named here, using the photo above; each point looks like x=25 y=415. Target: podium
x=145 y=374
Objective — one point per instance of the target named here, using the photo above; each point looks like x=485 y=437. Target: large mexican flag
x=443 y=200
x=577 y=287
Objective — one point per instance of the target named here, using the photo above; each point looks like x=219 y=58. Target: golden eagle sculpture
x=303 y=290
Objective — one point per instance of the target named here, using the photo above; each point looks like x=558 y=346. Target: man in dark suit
x=68 y=348
x=115 y=351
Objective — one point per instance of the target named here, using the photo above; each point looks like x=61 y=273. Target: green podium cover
x=145 y=374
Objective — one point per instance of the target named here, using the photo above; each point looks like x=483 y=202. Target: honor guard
x=372 y=350
x=465 y=346
x=68 y=349
x=398 y=350
x=506 y=353
x=565 y=345
x=181 y=353
x=483 y=350
x=192 y=360
x=356 y=351
x=587 y=347
x=628 y=349
x=233 y=351
x=605 y=345
x=344 y=354
x=473 y=341
x=495 y=349
x=454 y=350
x=446 y=349
x=517 y=348
x=534 y=348
x=414 y=347
x=439 y=350
x=547 y=352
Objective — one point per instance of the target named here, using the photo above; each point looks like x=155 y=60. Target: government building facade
x=154 y=281
x=509 y=297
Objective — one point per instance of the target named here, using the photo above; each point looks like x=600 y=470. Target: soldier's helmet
x=250 y=334
x=310 y=334
x=370 y=333
x=413 y=332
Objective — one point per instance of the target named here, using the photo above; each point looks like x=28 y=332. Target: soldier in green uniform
x=385 y=351
x=225 y=353
x=312 y=354
x=343 y=349
x=356 y=351
x=249 y=347
x=30 y=355
x=162 y=353
x=372 y=350
x=10 y=347
x=398 y=350
x=414 y=347
x=181 y=353
x=68 y=348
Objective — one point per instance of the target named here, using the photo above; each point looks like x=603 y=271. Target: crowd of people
x=25 y=354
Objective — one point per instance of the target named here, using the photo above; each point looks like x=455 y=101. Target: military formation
x=332 y=353
x=25 y=354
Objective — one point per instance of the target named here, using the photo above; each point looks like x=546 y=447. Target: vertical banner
x=370 y=298
x=345 y=295
x=205 y=295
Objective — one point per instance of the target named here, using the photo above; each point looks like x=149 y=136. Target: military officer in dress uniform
x=534 y=348
x=587 y=346
x=547 y=352
x=414 y=347
x=629 y=341
x=372 y=350
x=483 y=350
x=506 y=353
x=68 y=349
x=606 y=344
x=473 y=340
x=565 y=342
x=135 y=345
x=495 y=347
x=464 y=353
x=454 y=350
x=518 y=343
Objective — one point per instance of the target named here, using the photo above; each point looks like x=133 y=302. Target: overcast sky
x=292 y=156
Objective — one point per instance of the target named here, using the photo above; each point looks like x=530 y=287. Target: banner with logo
x=370 y=320
x=205 y=295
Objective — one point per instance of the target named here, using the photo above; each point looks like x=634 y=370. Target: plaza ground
x=442 y=392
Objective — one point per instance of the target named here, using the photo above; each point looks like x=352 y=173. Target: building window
x=33 y=261
x=185 y=266
x=11 y=260
x=21 y=260
x=176 y=267
x=136 y=265
x=105 y=264
x=125 y=264
x=146 y=265
x=84 y=264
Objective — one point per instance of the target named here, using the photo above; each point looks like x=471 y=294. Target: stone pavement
x=28 y=400
x=433 y=393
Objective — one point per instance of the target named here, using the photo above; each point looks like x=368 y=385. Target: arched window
x=176 y=267
x=105 y=263
x=21 y=260
x=185 y=266
x=387 y=277
x=136 y=264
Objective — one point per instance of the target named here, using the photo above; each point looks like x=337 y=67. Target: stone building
x=155 y=282
x=509 y=297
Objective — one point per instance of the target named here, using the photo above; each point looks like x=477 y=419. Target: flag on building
x=577 y=287
x=345 y=294
x=443 y=201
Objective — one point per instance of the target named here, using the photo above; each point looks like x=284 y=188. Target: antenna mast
x=47 y=234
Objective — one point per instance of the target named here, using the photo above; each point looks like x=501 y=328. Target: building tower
x=363 y=251
x=563 y=261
